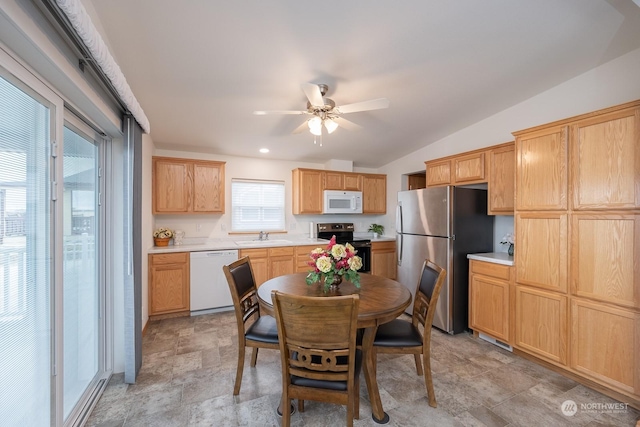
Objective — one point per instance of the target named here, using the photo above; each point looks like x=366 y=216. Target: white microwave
x=342 y=202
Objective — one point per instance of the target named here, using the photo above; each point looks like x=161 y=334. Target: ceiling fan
x=325 y=112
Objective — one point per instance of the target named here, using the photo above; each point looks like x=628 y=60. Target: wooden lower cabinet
x=168 y=283
x=281 y=261
x=541 y=323
x=302 y=257
x=489 y=299
x=605 y=345
x=383 y=259
x=259 y=259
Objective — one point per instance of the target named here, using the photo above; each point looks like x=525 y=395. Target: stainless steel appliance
x=443 y=224
x=344 y=234
x=342 y=202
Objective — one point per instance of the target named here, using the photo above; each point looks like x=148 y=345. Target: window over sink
x=257 y=205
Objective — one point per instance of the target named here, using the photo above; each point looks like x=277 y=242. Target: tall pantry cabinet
x=577 y=223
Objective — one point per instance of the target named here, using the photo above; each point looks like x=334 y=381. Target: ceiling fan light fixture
x=315 y=125
x=331 y=125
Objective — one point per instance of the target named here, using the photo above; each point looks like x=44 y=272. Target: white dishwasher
x=209 y=288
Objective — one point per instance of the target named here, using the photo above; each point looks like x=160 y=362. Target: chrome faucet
x=263 y=236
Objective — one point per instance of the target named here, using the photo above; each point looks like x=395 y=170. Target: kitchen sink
x=271 y=242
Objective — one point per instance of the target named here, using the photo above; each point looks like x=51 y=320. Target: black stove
x=344 y=234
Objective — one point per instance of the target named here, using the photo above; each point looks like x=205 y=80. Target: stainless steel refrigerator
x=443 y=224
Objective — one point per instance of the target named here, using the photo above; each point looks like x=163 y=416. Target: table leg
x=378 y=414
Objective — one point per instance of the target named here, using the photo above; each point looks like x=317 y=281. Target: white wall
x=612 y=83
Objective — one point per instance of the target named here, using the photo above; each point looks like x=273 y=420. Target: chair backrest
x=427 y=293
x=317 y=335
x=243 y=289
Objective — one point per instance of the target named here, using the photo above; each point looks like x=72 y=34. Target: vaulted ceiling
x=200 y=68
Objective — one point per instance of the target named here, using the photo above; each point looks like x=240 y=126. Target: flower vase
x=159 y=241
x=510 y=250
x=337 y=279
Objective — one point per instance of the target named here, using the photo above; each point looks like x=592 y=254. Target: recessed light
x=264 y=150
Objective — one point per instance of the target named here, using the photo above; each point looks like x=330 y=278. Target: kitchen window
x=257 y=205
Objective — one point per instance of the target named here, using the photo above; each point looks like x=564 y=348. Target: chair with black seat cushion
x=401 y=336
x=254 y=330
x=320 y=360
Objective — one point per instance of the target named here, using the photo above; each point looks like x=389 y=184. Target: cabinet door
x=489 y=306
x=171 y=186
x=168 y=283
x=469 y=168
x=374 y=194
x=541 y=250
x=502 y=167
x=307 y=191
x=383 y=259
x=605 y=161
x=605 y=345
x=259 y=259
x=604 y=258
x=541 y=170
x=208 y=187
x=333 y=180
x=541 y=323
x=439 y=173
x=281 y=261
x=352 y=182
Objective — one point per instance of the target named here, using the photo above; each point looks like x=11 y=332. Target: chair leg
x=286 y=410
x=239 y=369
x=254 y=357
x=356 y=399
x=300 y=405
x=418 y=364
x=428 y=380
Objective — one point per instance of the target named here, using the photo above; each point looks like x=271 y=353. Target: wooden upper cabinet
x=374 y=194
x=171 y=185
x=346 y=181
x=187 y=186
x=438 y=173
x=307 y=191
x=541 y=169
x=604 y=255
x=469 y=168
x=502 y=168
x=605 y=161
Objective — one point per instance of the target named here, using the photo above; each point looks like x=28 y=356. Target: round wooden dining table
x=381 y=300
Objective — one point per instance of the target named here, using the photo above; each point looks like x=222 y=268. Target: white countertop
x=227 y=244
x=494 y=257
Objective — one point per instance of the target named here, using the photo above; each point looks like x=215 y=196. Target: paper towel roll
x=312 y=231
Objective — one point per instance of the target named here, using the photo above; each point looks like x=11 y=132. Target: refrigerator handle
x=399 y=218
x=399 y=248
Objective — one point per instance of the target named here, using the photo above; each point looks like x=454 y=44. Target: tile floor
x=189 y=366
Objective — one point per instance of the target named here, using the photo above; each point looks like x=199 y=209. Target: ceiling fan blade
x=349 y=125
x=264 y=113
x=373 y=104
x=301 y=128
x=313 y=94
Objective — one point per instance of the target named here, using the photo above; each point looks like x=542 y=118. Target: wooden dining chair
x=320 y=360
x=403 y=337
x=254 y=330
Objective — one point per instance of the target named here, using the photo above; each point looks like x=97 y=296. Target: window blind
x=257 y=205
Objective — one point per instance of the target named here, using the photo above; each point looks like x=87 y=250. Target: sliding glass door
x=26 y=276
x=83 y=284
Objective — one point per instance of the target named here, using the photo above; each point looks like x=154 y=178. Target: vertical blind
x=257 y=205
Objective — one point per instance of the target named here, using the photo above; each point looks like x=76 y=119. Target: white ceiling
x=200 y=68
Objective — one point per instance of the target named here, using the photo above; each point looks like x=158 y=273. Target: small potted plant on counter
x=377 y=230
x=162 y=236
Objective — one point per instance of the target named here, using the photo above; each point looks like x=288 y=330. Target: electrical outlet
x=292 y=226
x=223 y=227
x=198 y=227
